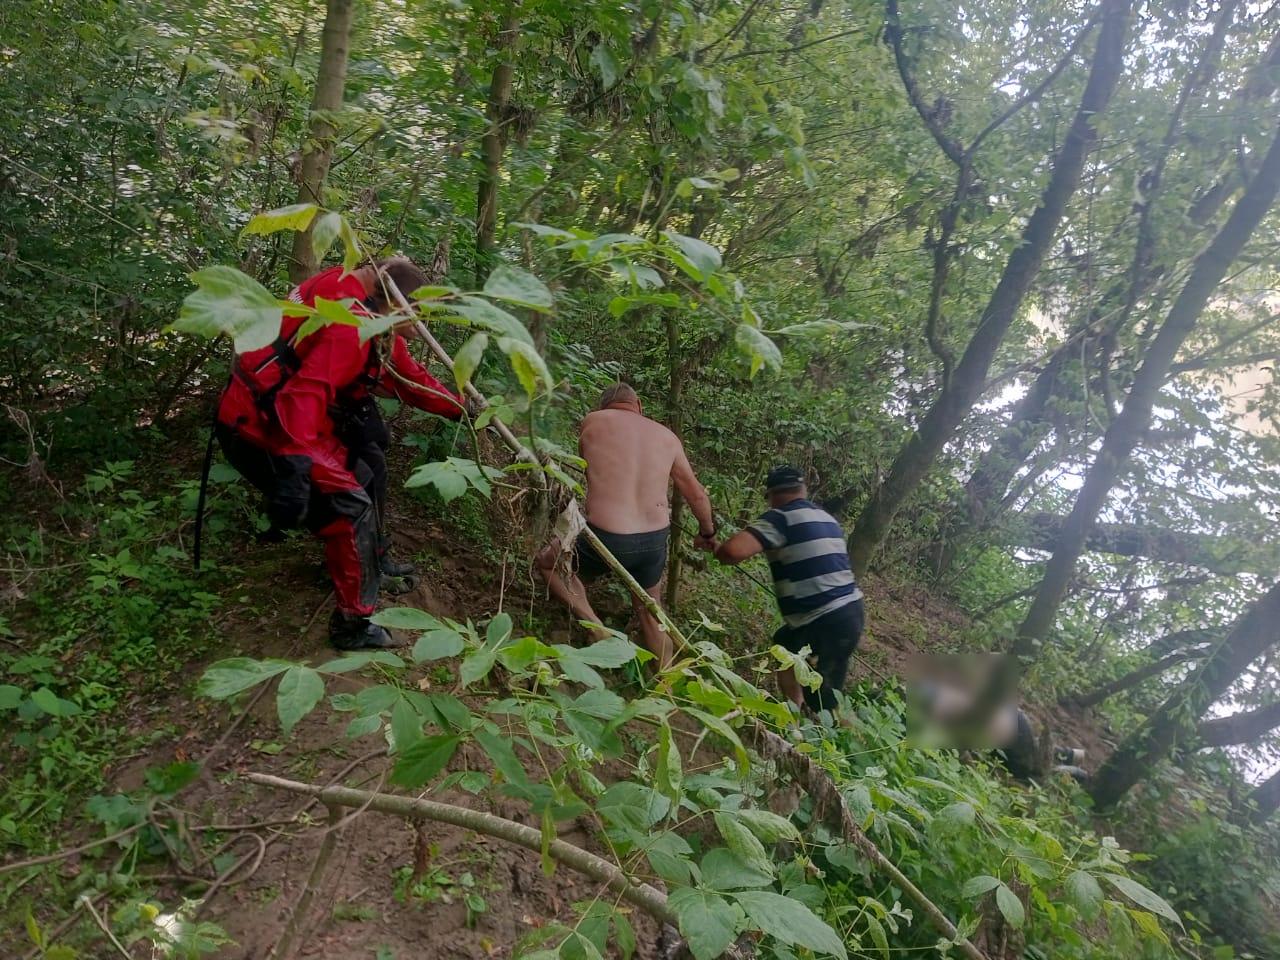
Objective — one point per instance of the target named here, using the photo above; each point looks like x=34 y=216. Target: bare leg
x=790 y=686
x=655 y=638
x=571 y=592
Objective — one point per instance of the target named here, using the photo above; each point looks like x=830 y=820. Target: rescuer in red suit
x=299 y=422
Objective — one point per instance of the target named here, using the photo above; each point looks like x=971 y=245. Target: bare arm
x=738 y=548
x=686 y=482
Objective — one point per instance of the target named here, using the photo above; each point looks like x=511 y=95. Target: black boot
x=388 y=564
x=353 y=632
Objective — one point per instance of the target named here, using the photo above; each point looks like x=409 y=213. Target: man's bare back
x=631 y=461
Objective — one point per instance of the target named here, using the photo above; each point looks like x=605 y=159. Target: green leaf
x=977 y=886
x=1010 y=907
x=758 y=348
x=516 y=286
x=328 y=312
x=609 y=653
x=297 y=216
x=768 y=826
x=468 y=358
x=955 y=817
x=1143 y=897
x=499 y=629
x=499 y=749
x=422 y=761
x=437 y=645
x=701 y=256
x=47 y=701
x=876 y=929
x=1084 y=893
x=231 y=303
x=527 y=363
x=406 y=618
x=721 y=870
x=10 y=696
x=813 y=328
x=707 y=921
x=351 y=252
x=722 y=729
x=790 y=921
x=324 y=231
x=406 y=725
x=742 y=842
x=669 y=770
x=226 y=678
x=300 y=690
x=476 y=665
x=482 y=313
x=603 y=60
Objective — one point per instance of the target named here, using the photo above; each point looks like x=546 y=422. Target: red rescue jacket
x=281 y=397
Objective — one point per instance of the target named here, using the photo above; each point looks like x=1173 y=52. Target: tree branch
x=893 y=33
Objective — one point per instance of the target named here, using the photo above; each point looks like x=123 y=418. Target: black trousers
x=832 y=638
x=364 y=433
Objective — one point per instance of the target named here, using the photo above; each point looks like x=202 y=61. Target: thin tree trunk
x=1239 y=727
x=1265 y=798
x=969 y=379
x=1126 y=429
x=317 y=151
x=494 y=143
x=675 y=403
x=1175 y=720
x=1127 y=682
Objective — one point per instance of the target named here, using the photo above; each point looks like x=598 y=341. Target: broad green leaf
x=758 y=348
x=1084 y=893
x=327 y=312
x=721 y=870
x=516 y=286
x=977 y=886
x=437 y=644
x=669 y=770
x=527 y=363
x=812 y=328
x=297 y=216
x=1143 y=897
x=231 y=303
x=499 y=629
x=301 y=688
x=325 y=230
x=790 y=921
x=955 y=816
x=226 y=678
x=707 y=921
x=742 y=842
x=768 y=826
x=10 y=696
x=722 y=729
x=47 y=701
x=481 y=313
x=704 y=258
x=406 y=618
x=542 y=230
x=452 y=710
x=406 y=725
x=351 y=252
x=1010 y=907
x=422 y=761
x=609 y=653
x=476 y=665
x=878 y=937
x=603 y=60
x=499 y=749
x=468 y=358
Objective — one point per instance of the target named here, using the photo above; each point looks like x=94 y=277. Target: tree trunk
x=1265 y=798
x=1127 y=428
x=1128 y=681
x=969 y=379
x=317 y=151
x=1222 y=555
x=1175 y=720
x=494 y=143
x=675 y=403
x=1239 y=727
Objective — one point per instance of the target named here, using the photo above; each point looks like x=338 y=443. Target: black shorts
x=831 y=638
x=643 y=555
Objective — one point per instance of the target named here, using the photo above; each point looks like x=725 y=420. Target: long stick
x=642 y=895
x=288 y=940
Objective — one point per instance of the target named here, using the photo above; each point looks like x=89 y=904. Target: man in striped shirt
x=820 y=602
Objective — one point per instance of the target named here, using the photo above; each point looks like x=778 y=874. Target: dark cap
x=782 y=478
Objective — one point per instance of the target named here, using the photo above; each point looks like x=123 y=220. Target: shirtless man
x=631 y=460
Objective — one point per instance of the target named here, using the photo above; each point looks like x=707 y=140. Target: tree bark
x=1124 y=432
x=969 y=378
x=1265 y=798
x=317 y=151
x=1221 y=555
x=494 y=143
x=1239 y=727
x=1175 y=721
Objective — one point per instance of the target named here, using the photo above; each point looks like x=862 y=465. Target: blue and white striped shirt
x=810 y=564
